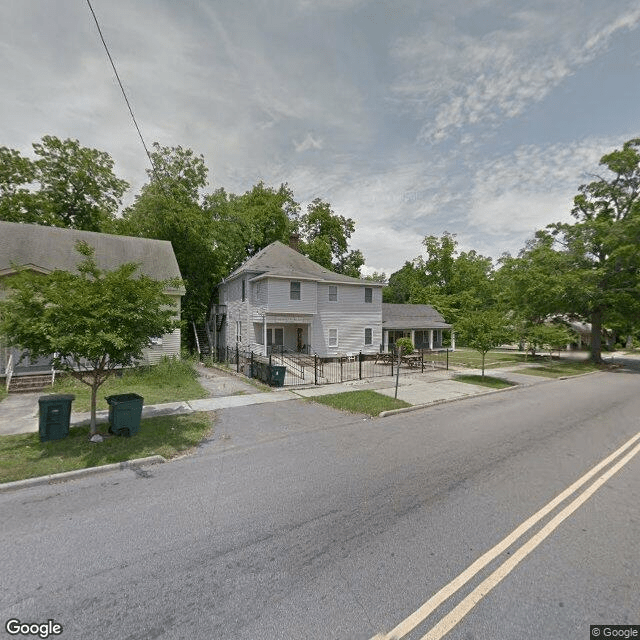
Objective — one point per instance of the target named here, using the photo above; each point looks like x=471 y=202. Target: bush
x=405 y=344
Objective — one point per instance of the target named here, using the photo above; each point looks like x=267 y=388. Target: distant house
x=280 y=299
x=420 y=322
x=45 y=249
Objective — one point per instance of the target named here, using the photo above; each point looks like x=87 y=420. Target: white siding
x=279 y=300
x=351 y=315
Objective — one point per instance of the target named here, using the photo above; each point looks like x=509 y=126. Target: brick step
x=29 y=384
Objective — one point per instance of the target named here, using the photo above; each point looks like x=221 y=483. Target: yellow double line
x=450 y=620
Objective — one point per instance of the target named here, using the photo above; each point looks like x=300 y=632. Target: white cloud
x=454 y=79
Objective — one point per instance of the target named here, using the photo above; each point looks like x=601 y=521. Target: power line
x=124 y=94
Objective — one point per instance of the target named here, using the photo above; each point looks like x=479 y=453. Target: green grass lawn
x=487 y=381
x=168 y=381
x=369 y=402
x=24 y=456
x=463 y=357
x=560 y=369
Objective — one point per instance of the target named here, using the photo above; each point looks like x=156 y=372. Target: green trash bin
x=276 y=375
x=125 y=411
x=55 y=415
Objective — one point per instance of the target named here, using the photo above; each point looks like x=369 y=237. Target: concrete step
x=29 y=384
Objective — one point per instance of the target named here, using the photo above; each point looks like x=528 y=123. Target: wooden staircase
x=203 y=344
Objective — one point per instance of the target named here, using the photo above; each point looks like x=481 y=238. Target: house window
x=368 y=294
x=333 y=337
x=238 y=331
x=294 y=291
x=368 y=336
x=244 y=290
x=333 y=293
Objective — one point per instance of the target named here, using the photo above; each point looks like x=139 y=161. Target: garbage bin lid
x=57 y=397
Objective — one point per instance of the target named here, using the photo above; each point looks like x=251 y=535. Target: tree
x=170 y=207
x=325 y=238
x=451 y=282
x=601 y=247
x=484 y=330
x=92 y=321
x=548 y=336
x=67 y=185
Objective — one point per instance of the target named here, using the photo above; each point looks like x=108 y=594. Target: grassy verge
x=369 y=402
x=463 y=357
x=24 y=456
x=168 y=381
x=560 y=369
x=487 y=381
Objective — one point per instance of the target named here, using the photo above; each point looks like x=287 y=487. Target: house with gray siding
x=280 y=299
x=45 y=249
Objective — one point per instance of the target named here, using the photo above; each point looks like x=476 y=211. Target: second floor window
x=244 y=290
x=368 y=294
x=294 y=291
x=333 y=293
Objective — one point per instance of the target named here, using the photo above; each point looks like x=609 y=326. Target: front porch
x=282 y=335
x=421 y=338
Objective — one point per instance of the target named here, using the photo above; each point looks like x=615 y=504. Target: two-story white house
x=281 y=299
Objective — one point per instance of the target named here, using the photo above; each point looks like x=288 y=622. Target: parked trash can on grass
x=55 y=415
x=125 y=411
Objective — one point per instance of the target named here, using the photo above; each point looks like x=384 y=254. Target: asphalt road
x=296 y=521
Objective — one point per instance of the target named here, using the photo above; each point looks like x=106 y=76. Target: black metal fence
x=311 y=369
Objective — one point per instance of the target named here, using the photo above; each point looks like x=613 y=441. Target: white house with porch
x=282 y=300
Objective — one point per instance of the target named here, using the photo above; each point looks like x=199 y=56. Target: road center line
x=418 y=616
x=453 y=618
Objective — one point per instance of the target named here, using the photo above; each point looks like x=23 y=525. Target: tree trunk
x=596 y=336
x=93 y=427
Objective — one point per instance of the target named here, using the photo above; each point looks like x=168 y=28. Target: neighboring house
x=280 y=299
x=420 y=322
x=45 y=249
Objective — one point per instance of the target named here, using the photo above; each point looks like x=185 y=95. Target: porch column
x=413 y=337
x=453 y=340
x=430 y=339
x=264 y=335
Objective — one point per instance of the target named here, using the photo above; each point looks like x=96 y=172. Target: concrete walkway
x=19 y=412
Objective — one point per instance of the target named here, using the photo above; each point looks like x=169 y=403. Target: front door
x=299 y=336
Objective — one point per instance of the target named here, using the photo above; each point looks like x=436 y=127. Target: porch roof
x=412 y=316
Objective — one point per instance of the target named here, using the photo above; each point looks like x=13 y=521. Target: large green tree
x=601 y=246
x=92 y=321
x=453 y=282
x=66 y=185
x=171 y=207
x=325 y=238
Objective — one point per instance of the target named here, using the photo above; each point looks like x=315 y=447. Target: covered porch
x=282 y=334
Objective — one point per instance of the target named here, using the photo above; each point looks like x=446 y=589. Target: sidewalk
x=19 y=412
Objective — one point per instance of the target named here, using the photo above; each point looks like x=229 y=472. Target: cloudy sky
x=413 y=117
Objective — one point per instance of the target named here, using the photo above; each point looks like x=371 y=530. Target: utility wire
x=115 y=71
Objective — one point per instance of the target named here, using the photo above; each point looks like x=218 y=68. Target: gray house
x=280 y=299
x=45 y=249
x=420 y=322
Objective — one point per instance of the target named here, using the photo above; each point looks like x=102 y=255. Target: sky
x=412 y=117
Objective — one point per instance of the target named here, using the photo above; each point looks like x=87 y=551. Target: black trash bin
x=276 y=376
x=125 y=411
x=55 y=415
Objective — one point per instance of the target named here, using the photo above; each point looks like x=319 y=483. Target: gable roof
x=411 y=316
x=280 y=261
x=46 y=249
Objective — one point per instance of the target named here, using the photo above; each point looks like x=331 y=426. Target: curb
x=415 y=407
x=80 y=473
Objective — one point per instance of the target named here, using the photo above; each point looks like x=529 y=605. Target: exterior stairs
x=30 y=383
